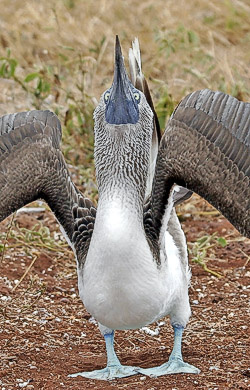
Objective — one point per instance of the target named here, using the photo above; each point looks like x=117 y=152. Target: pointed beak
x=122 y=108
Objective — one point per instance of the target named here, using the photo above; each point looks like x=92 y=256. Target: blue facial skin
x=121 y=106
x=122 y=98
x=127 y=113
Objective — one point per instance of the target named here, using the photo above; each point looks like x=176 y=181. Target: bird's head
x=123 y=125
x=122 y=99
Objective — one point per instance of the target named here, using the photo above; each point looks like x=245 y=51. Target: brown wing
x=84 y=214
x=11 y=122
x=32 y=166
x=206 y=148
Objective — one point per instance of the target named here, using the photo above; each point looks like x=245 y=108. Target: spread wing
x=139 y=81
x=32 y=166
x=206 y=148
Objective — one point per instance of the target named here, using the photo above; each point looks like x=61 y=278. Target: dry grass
x=68 y=45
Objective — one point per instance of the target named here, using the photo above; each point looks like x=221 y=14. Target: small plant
x=164 y=106
x=37 y=237
x=198 y=250
x=37 y=84
x=45 y=84
x=8 y=66
x=42 y=85
x=172 y=41
x=97 y=46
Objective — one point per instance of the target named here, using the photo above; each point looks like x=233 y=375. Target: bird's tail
x=139 y=81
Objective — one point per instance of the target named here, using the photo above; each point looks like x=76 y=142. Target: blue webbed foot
x=109 y=372
x=173 y=366
x=114 y=368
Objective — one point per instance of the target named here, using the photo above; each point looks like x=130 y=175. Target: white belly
x=120 y=284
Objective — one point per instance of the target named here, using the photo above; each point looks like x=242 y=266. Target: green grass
x=199 y=251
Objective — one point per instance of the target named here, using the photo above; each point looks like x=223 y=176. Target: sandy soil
x=46 y=333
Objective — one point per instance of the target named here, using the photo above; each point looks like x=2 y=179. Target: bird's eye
x=137 y=96
x=106 y=96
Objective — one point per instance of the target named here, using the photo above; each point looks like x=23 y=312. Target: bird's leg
x=175 y=363
x=114 y=368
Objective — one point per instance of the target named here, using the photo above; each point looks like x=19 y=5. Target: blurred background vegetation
x=58 y=55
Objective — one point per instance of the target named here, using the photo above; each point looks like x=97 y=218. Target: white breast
x=120 y=284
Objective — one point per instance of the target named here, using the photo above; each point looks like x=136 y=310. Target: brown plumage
x=206 y=148
x=32 y=166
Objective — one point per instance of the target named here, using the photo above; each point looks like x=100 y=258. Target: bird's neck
x=122 y=163
x=124 y=193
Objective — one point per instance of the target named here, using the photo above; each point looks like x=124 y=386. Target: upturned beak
x=122 y=108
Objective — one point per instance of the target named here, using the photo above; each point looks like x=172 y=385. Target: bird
x=131 y=252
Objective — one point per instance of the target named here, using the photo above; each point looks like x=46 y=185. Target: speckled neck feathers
x=122 y=158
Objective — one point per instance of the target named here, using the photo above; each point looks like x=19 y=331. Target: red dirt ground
x=46 y=333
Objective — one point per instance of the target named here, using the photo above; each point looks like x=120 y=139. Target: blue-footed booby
x=131 y=251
